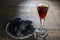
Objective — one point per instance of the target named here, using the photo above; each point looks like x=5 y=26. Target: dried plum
x=20 y=28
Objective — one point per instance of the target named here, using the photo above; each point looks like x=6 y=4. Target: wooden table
x=12 y=9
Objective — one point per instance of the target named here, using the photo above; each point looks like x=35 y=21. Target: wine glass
x=42 y=9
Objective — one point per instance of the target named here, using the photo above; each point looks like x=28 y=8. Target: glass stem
x=42 y=23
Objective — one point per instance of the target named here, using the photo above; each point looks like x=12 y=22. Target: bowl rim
x=14 y=36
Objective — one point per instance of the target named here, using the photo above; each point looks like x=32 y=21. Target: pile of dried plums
x=20 y=28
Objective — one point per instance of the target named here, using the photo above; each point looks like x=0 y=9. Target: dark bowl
x=18 y=37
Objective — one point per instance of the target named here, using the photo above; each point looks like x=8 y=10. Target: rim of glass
x=40 y=4
x=16 y=37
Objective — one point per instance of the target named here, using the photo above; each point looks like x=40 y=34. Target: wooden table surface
x=27 y=11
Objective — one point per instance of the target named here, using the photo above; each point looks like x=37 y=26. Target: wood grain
x=11 y=9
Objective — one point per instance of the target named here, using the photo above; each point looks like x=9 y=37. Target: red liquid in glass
x=42 y=10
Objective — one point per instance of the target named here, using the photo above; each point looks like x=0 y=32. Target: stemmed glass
x=42 y=9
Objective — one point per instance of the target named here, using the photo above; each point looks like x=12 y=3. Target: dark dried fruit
x=20 y=28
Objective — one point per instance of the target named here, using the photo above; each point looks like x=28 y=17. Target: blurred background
x=26 y=9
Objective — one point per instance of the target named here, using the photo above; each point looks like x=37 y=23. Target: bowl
x=8 y=27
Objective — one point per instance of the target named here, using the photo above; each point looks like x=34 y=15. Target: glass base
x=41 y=32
